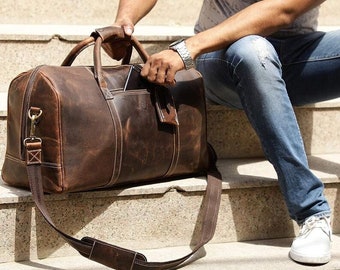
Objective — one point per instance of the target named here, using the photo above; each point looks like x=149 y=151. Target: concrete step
x=27 y=46
x=159 y=215
x=103 y=12
x=232 y=136
x=263 y=254
x=85 y=11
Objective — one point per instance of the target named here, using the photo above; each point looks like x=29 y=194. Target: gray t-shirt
x=214 y=12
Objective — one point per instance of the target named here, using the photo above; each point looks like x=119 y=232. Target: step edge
x=334 y=104
x=46 y=32
x=245 y=177
x=36 y=32
x=213 y=254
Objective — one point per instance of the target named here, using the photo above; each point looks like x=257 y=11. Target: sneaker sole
x=310 y=260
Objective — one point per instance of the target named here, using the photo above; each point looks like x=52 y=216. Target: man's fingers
x=170 y=76
x=161 y=68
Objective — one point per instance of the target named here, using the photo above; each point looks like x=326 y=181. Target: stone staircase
x=253 y=231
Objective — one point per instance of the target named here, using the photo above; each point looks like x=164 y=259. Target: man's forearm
x=133 y=10
x=262 y=18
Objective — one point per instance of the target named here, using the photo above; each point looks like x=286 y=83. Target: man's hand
x=161 y=67
x=117 y=50
x=128 y=14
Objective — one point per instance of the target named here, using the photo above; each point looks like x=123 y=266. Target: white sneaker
x=313 y=245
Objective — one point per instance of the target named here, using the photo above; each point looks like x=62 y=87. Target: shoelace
x=316 y=222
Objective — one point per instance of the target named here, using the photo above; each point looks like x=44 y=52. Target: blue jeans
x=267 y=76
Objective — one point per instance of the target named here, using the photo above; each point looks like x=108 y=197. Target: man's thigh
x=311 y=67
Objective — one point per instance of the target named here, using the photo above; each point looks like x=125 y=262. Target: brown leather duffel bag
x=77 y=128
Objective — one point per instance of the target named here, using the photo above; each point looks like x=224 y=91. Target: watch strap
x=181 y=48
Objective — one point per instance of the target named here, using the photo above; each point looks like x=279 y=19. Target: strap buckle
x=33 y=143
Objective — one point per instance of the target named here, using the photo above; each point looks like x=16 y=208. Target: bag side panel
x=45 y=97
x=14 y=167
x=78 y=132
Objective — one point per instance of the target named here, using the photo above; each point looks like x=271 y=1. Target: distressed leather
x=98 y=135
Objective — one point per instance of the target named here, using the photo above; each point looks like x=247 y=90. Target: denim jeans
x=267 y=76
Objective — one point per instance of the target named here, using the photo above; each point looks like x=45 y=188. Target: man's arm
x=128 y=14
x=261 y=18
x=132 y=11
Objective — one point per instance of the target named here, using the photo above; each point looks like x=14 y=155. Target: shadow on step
x=332 y=190
x=253 y=201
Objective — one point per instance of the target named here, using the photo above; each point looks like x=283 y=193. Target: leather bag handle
x=109 y=34
x=113 y=34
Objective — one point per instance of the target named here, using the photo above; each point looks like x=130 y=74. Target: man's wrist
x=180 y=47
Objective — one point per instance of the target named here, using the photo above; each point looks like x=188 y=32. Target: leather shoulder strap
x=115 y=256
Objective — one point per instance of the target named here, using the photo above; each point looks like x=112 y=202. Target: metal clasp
x=34 y=116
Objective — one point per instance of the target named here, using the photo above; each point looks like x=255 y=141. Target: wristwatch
x=180 y=47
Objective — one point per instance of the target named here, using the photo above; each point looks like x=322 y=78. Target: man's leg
x=315 y=58
x=248 y=75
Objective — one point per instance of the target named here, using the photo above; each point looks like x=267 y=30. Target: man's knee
x=253 y=51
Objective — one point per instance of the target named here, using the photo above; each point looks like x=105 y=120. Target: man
x=263 y=57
